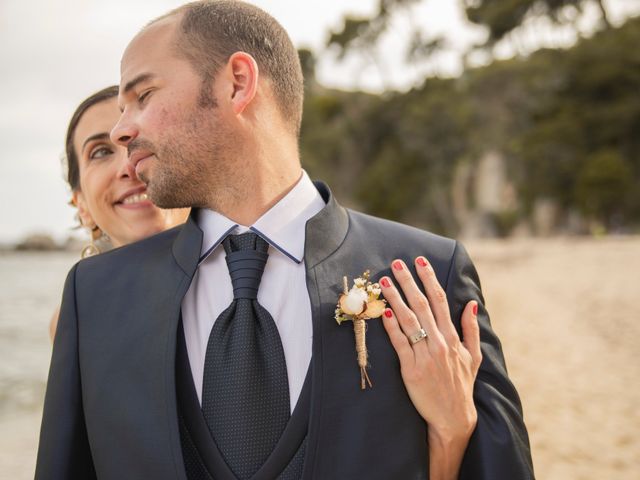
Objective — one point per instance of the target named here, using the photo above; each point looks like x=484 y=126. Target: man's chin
x=160 y=198
x=143 y=177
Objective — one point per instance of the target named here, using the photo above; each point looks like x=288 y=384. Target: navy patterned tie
x=245 y=390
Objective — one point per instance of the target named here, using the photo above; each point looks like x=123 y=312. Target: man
x=211 y=351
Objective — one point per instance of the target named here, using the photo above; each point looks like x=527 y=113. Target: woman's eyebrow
x=97 y=136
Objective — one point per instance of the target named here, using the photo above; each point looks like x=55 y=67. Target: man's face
x=175 y=143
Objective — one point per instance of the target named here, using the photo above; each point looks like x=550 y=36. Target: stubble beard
x=195 y=172
x=172 y=183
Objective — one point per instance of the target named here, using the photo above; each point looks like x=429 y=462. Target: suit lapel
x=325 y=232
x=187 y=246
x=186 y=252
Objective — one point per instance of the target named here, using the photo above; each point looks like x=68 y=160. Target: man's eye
x=100 y=152
x=144 y=96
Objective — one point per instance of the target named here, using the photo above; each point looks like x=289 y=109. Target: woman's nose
x=125 y=168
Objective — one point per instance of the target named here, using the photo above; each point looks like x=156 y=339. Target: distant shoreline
x=44 y=242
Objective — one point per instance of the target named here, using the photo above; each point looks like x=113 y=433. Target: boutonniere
x=359 y=304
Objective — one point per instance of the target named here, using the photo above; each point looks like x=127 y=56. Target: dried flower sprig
x=358 y=304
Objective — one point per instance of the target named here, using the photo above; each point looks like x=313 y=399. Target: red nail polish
x=397 y=265
x=385 y=282
x=475 y=309
x=421 y=261
x=388 y=313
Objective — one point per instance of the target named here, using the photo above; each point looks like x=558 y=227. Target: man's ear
x=243 y=70
x=83 y=212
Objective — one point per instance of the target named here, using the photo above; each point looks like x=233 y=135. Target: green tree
x=603 y=186
x=565 y=122
x=502 y=17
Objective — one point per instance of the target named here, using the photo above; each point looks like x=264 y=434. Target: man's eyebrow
x=143 y=77
x=97 y=136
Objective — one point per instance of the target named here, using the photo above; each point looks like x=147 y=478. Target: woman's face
x=110 y=195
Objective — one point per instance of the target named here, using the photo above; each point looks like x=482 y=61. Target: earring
x=91 y=249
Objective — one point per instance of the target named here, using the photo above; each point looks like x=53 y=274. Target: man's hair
x=70 y=159
x=210 y=31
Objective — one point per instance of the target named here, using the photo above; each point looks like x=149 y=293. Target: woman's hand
x=438 y=371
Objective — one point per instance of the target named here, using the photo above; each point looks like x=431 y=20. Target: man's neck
x=264 y=168
x=258 y=195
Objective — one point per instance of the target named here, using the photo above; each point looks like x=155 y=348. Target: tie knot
x=246 y=259
x=244 y=241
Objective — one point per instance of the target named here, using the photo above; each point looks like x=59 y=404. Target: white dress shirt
x=283 y=288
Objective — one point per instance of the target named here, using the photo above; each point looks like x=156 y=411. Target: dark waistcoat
x=202 y=458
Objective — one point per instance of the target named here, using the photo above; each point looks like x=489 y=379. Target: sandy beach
x=562 y=307
x=564 y=310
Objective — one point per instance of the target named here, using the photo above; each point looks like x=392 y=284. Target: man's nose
x=124 y=131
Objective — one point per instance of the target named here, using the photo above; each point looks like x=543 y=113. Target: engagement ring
x=419 y=335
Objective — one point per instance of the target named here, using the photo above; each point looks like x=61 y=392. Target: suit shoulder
x=146 y=249
x=391 y=232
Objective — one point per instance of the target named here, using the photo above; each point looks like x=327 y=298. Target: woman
x=109 y=197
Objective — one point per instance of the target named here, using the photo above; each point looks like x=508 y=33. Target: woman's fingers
x=406 y=318
x=437 y=300
x=417 y=301
x=398 y=339
x=471 y=333
x=430 y=312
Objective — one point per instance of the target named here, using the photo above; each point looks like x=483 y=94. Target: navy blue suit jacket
x=110 y=409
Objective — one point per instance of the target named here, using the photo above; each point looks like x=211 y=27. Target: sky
x=54 y=53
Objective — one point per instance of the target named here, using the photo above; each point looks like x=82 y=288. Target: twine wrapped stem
x=360 y=331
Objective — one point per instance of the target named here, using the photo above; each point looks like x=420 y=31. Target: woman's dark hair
x=71 y=159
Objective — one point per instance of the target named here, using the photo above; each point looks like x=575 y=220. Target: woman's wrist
x=446 y=450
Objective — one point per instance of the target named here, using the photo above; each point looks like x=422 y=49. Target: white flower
x=354 y=302
x=359 y=282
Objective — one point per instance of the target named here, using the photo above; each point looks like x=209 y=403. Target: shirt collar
x=282 y=226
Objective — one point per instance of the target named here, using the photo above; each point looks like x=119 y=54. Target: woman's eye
x=100 y=152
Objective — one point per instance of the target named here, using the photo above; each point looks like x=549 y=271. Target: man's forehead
x=152 y=43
